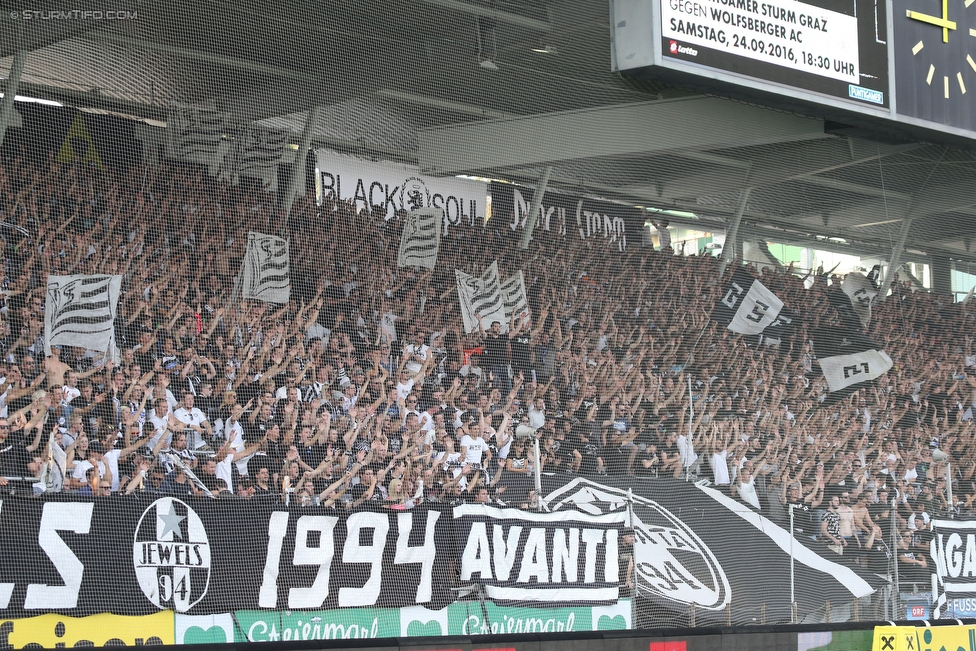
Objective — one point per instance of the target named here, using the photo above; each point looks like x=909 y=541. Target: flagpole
x=691 y=424
x=895 y=259
x=792 y=570
x=894 y=555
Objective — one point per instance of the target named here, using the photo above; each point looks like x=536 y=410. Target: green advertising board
x=463 y=618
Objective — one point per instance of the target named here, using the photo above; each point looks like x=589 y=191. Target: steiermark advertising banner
x=464 y=618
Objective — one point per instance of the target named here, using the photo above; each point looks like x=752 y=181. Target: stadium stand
x=365 y=388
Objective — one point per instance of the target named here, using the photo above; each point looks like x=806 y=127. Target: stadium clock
x=942 y=68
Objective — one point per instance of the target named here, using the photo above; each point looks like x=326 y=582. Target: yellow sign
x=78 y=144
x=895 y=638
x=52 y=631
x=934 y=638
x=950 y=638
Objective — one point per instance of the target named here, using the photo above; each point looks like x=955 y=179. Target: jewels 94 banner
x=140 y=555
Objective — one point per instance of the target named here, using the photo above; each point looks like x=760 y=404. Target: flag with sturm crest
x=266 y=274
x=80 y=311
x=481 y=295
x=194 y=135
x=256 y=151
x=513 y=296
x=420 y=240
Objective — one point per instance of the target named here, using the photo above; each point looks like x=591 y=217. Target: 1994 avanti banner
x=136 y=556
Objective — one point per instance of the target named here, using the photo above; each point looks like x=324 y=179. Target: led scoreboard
x=906 y=67
x=831 y=51
x=829 y=47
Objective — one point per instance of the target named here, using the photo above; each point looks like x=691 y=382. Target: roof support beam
x=500 y=16
x=684 y=124
x=10 y=92
x=770 y=172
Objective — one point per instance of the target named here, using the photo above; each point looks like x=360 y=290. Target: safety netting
x=292 y=348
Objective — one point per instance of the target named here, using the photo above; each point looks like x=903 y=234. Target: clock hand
x=942 y=22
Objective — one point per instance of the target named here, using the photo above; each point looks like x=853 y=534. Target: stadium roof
x=500 y=90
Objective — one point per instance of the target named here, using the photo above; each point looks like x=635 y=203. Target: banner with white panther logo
x=697 y=546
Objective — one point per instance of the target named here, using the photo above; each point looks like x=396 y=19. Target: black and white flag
x=481 y=295
x=194 y=135
x=256 y=152
x=748 y=307
x=420 y=239
x=266 y=274
x=861 y=292
x=953 y=565
x=849 y=359
x=513 y=296
x=80 y=311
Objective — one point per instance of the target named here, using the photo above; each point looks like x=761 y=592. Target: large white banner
x=399 y=187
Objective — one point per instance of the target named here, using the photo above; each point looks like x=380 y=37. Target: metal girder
x=768 y=172
x=895 y=207
x=298 y=168
x=694 y=123
x=199 y=55
x=540 y=192
x=443 y=104
x=895 y=259
x=10 y=92
x=487 y=12
x=732 y=240
x=935 y=200
x=855 y=188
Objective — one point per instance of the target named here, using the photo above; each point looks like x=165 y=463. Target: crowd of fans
x=365 y=388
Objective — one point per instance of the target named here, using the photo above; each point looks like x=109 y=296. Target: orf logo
x=171 y=555
x=674 y=47
x=671 y=561
x=414 y=194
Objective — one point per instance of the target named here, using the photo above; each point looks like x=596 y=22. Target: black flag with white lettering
x=849 y=360
x=953 y=567
x=749 y=308
x=852 y=300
